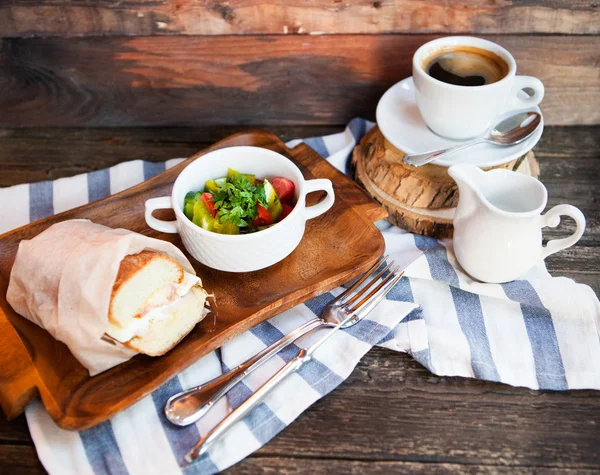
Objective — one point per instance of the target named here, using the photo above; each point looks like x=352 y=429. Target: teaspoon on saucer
x=511 y=131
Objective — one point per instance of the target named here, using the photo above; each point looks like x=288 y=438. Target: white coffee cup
x=462 y=112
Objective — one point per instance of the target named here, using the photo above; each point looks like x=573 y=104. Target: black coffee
x=466 y=66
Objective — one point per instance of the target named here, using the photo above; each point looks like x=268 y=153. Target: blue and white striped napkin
x=541 y=332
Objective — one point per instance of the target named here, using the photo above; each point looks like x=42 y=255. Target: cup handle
x=527 y=82
x=552 y=219
x=320 y=184
x=164 y=202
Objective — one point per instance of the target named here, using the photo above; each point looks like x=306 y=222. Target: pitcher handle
x=552 y=219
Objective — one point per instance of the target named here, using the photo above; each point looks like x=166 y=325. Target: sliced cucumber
x=190 y=197
x=273 y=203
x=188 y=204
x=212 y=186
x=188 y=210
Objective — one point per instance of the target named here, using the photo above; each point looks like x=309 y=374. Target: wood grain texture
x=391 y=408
x=421 y=200
x=569 y=155
x=36 y=154
x=428 y=186
x=20 y=460
x=393 y=416
x=569 y=160
x=302 y=465
x=320 y=262
x=183 y=81
x=25 y=18
x=18 y=377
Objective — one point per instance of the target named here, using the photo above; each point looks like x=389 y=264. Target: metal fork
x=345 y=315
x=188 y=406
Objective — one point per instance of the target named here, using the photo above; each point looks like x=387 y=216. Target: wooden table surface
x=391 y=415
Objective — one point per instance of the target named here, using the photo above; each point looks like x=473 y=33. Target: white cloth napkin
x=541 y=332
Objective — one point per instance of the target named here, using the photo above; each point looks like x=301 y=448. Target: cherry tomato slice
x=264 y=217
x=207 y=199
x=284 y=189
x=287 y=209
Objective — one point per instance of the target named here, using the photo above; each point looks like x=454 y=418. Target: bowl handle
x=164 y=202
x=320 y=184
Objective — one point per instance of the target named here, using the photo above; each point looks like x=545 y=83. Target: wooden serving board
x=337 y=246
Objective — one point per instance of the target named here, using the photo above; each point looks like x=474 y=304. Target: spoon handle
x=303 y=356
x=244 y=408
x=418 y=159
x=187 y=407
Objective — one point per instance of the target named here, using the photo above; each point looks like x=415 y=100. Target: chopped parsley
x=236 y=201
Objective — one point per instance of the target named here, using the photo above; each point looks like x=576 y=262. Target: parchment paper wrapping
x=62 y=280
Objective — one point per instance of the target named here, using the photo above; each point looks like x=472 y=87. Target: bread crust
x=134 y=343
x=131 y=265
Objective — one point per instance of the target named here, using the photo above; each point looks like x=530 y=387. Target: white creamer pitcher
x=498 y=223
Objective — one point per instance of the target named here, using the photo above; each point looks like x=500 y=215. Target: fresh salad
x=240 y=203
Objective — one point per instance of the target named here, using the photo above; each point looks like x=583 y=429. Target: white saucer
x=401 y=124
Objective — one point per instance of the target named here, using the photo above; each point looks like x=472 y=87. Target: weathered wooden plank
x=570 y=169
x=393 y=409
x=569 y=143
x=569 y=159
x=302 y=465
x=162 y=81
x=587 y=202
x=392 y=413
x=569 y=156
x=20 y=460
x=30 y=155
x=14 y=432
x=25 y=18
x=579 y=259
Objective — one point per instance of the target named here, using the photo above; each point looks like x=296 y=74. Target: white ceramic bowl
x=244 y=252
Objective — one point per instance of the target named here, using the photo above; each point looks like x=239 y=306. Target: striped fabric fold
x=540 y=332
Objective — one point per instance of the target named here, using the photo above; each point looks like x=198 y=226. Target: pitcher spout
x=468 y=178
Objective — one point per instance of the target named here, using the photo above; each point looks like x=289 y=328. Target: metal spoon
x=188 y=406
x=510 y=131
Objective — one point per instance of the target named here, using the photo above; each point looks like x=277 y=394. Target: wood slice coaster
x=422 y=199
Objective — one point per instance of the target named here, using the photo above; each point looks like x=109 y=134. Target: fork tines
x=383 y=287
